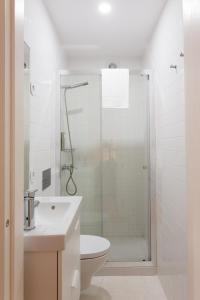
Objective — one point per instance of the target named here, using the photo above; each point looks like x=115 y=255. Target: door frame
x=191 y=12
x=11 y=150
x=2 y=152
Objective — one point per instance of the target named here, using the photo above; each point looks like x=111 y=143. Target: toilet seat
x=92 y=246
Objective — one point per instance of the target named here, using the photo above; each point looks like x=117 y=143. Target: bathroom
x=108 y=149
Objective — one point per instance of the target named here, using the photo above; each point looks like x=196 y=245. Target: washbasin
x=54 y=218
x=51 y=213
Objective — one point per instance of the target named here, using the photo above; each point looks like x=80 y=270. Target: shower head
x=73 y=86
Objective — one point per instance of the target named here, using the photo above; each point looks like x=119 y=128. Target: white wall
x=47 y=57
x=94 y=65
x=167 y=87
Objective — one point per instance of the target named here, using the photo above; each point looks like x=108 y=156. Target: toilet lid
x=92 y=246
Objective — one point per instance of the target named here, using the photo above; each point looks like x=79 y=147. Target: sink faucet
x=29 y=206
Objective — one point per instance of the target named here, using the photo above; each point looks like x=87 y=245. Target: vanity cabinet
x=54 y=275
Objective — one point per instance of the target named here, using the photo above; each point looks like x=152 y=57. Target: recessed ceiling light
x=105 y=8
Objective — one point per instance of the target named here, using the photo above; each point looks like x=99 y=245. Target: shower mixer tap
x=68 y=167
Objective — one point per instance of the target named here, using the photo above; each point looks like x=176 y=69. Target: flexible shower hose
x=71 y=167
x=71 y=179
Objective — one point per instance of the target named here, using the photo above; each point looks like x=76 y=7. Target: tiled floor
x=128 y=249
x=124 y=288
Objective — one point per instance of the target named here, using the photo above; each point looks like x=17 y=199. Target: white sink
x=53 y=219
x=51 y=213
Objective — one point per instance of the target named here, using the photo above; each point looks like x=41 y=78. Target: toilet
x=94 y=252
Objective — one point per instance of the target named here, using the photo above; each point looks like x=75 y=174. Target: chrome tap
x=29 y=206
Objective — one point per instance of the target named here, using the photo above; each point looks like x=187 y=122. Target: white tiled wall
x=168 y=94
x=46 y=58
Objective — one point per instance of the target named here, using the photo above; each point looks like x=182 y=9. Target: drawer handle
x=76 y=280
x=77 y=225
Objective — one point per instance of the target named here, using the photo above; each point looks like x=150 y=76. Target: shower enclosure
x=111 y=164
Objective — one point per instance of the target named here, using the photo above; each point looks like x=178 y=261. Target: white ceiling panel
x=125 y=32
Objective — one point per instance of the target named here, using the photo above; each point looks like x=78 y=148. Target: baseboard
x=128 y=269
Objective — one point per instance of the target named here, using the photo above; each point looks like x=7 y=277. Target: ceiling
x=125 y=32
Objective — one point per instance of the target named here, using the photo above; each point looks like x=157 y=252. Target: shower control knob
x=144 y=167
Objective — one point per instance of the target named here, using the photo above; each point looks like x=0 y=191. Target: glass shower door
x=125 y=176
x=111 y=154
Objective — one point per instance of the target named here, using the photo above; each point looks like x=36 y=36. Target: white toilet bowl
x=94 y=253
